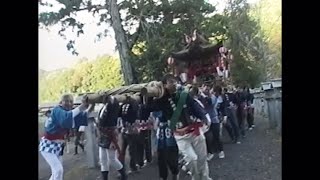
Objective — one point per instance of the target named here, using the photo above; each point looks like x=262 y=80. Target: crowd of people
x=182 y=129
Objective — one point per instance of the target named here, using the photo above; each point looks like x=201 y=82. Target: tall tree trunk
x=121 y=40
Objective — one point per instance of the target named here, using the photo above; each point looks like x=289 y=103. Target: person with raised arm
x=62 y=118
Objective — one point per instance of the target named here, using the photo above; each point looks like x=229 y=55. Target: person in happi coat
x=179 y=123
x=229 y=100
x=241 y=103
x=212 y=135
x=108 y=140
x=78 y=135
x=62 y=118
x=167 y=149
x=130 y=133
x=155 y=117
x=48 y=114
x=250 y=109
x=221 y=106
x=144 y=145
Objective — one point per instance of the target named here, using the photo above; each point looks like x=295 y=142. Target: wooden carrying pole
x=135 y=91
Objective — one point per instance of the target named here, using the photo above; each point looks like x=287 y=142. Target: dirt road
x=257 y=158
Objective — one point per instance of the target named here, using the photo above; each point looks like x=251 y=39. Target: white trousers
x=195 y=150
x=109 y=157
x=55 y=163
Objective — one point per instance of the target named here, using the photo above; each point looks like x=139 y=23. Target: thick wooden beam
x=135 y=91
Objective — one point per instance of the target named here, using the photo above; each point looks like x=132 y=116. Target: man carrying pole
x=182 y=119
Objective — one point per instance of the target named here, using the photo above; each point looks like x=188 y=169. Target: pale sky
x=53 y=53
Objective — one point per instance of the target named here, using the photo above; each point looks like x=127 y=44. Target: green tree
x=160 y=26
x=150 y=30
x=109 y=13
x=86 y=76
x=268 y=14
x=106 y=73
x=165 y=33
x=248 y=48
x=80 y=80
